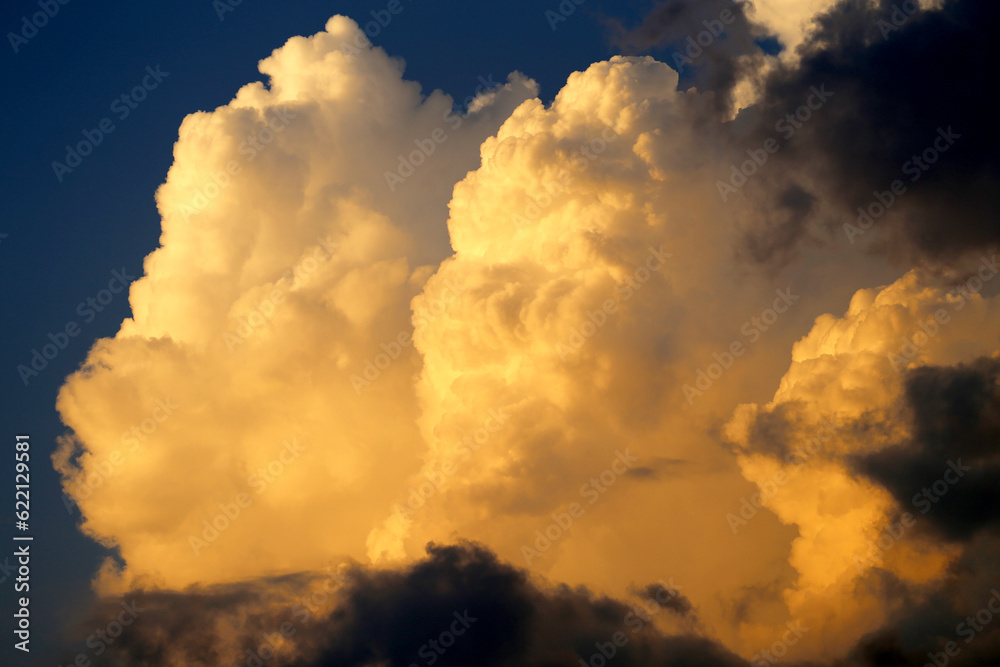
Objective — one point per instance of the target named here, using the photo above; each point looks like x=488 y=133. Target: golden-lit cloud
x=277 y=316
x=286 y=267
x=375 y=322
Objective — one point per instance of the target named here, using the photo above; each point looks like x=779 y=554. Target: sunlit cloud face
x=375 y=323
x=584 y=310
x=286 y=269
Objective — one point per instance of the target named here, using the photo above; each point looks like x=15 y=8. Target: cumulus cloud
x=277 y=316
x=275 y=319
x=591 y=282
x=599 y=284
x=872 y=408
x=374 y=323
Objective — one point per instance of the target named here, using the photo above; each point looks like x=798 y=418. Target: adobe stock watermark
x=664 y=594
x=930 y=326
x=432 y=650
x=469 y=445
x=796 y=457
x=901 y=13
x=752 y=329
x=425 y=147
x=134 y=437
x=302 y=611
x=314 y=602
x=87 y=310
x=273 y=642
x=259 y=481
x=223 y=7
x=580 y=159
x=37 y=21
x=967 y=630
x=562 y=12
x=252 y=145
x=381 y=20
x=6 y=569
x=626 y=287
x=260 y=315
x=787 y=126
x=122 y=106
x=592 y=490
x=696 y=44
x=779 y=648
x=103 y=638
x=915 y=167
x=923 y=500
x=392 y=350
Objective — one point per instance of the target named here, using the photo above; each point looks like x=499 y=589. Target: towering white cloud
x=337 y=351
x=598 y=299
x=299 y=221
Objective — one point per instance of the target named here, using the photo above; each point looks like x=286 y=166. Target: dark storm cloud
x=702 y=39
x=461 y=606
x=953 y=622
x=949 y=470
x=494 y=613
x=907 y=89
x=170 y=628
x=885 y=649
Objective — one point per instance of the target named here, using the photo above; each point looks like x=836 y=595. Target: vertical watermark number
x=22 y=555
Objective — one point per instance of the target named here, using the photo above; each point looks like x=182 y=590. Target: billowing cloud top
x=378 y=319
